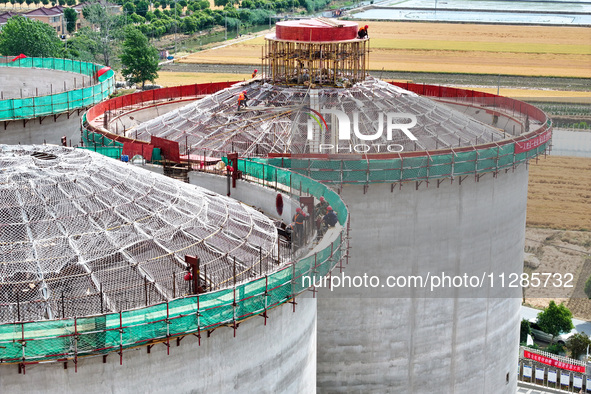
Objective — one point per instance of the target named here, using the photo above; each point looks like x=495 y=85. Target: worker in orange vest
x=254 y=74
x=242 y=98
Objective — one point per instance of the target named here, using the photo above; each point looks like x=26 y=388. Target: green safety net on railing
x=54 y=340
x=105 y=146
x=109 y=151
x=477 y=161
x=32 y=107
x=91 y=139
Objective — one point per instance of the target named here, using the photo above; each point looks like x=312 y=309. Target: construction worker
x=320 y=209
x=362 y=33
x=298 y=221
x=330 y=219
x=242 y=98
x=254 y=74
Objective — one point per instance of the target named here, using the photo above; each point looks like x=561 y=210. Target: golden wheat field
x=454 y=48
x=559 y=194
x=173 y=78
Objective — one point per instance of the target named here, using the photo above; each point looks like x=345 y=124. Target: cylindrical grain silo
x=436 y=182
x=114 y=278
x=42 y=99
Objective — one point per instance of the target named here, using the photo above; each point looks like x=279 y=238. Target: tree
x=135 y=18
x=555 y=348
x=71 y=15
x=129 y=7
x=108 y=27
x=588 y=287
x=525 y=331
x=555 y=319
x=142 y=7
x=139 y=58
x=577 y=344
x=33 y=38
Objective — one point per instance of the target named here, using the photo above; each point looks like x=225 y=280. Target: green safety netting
x=114 y=149
x=32 y=107
x=477 y=161
x=54 y=340
x=91 y=139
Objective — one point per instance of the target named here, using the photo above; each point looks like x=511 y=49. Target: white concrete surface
x=38 y=82
x=416 y=341
x=249 y=193
x=42 y=130
x=278 y=357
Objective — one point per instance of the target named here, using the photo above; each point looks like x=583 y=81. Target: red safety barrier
x=136 y=148
x=169 y=149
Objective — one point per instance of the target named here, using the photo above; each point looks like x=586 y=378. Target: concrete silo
x=114 y=278
x=41 y=99
x=436 y=181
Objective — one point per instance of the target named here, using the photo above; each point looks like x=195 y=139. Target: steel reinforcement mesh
x=81 y=234
x=32 y=107
x=297 y=120
x=58 y=340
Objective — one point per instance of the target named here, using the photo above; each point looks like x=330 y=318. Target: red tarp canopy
x=102 y=71
x=21 y=56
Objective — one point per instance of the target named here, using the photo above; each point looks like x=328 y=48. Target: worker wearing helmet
x=298 y=221
x=362 y=33
x=254 y=74
x=330 y=219
x=320 y=209
x=242 y=98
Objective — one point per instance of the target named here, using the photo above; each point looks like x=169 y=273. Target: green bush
x=588 y=287
x=555 y=348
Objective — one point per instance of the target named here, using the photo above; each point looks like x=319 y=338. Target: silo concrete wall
x=278 y=357
x=41 y=130
x=415 y=340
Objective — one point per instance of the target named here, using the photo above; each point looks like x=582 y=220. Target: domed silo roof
x=301 y=120
x=82 y=234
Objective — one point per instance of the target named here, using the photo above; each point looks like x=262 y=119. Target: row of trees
x=102 y=41
x=189 y=16
x=139 y=58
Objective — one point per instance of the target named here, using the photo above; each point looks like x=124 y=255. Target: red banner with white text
x=553 y=362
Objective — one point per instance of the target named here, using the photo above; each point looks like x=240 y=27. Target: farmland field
x=171 y=78
x=559 y=193
x=454 y=48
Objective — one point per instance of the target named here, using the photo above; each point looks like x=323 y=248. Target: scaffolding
x=314 y=64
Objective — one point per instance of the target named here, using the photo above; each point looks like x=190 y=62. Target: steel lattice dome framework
x=109 y=236
x=298 y=120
